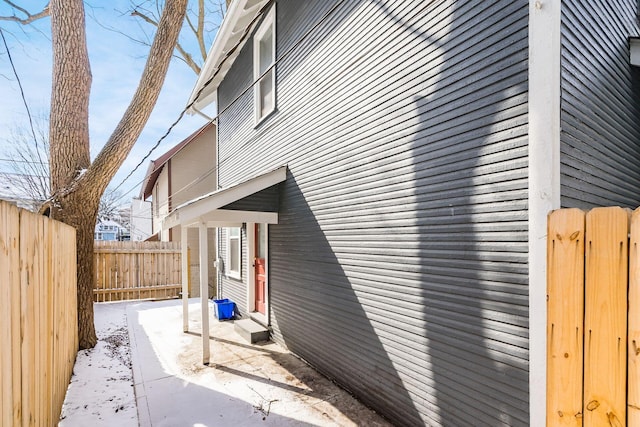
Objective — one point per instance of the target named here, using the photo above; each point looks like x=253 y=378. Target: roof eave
x=199 y=208
x=148 y=182
x=240 y=15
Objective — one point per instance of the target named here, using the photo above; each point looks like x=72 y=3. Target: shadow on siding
x=470 y=220
x=320 y=316
x=431 y=327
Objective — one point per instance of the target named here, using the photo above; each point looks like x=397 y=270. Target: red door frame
x=260 y=272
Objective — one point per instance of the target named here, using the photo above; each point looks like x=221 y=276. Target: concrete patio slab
x=244 y=385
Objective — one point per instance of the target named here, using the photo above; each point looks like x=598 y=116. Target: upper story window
x=264 y=58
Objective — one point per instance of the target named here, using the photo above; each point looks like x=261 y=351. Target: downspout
x=169 y=195
x=218 y=265
x=218 y=241
x=217 y=120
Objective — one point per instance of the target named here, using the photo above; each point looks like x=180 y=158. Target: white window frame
x=232 y=273
x=268 y=24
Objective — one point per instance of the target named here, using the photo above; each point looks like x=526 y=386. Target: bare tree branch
x=144 y=17
x=15 y=6
x=184 y=55
x=26 y=167
x=115 y=30
x=25 y=31
x=200 y=31
x=139 y=13
x=29 y=18
x=195 y=21
x=191 y=26
x=126 y=133
x=28 y=177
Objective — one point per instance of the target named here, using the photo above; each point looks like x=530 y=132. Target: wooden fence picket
x=633 y=393
x=565 y=291
x=593 y=314
x=136 y=270
x=38 y=317
x=605 y=358
x=10 y=391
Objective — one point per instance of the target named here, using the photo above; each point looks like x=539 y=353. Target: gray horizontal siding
x=600 y=118
x=399 y=264
x=266 y=200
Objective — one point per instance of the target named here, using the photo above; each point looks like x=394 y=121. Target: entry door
x=260 y=266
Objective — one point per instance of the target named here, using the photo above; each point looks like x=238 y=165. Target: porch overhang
x=225 y=207
x=634 y=51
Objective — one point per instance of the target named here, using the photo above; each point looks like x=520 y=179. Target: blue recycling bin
x=223 y=308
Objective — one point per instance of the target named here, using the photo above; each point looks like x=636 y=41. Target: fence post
x=565 y=299
x=605 y=357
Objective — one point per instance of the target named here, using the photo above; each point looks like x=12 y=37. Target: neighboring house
x=186 y=171
x=109 y=230
x=384 y=185
x=15 y=188
x=140 y=219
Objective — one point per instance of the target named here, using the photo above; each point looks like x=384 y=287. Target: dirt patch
x=117 y=345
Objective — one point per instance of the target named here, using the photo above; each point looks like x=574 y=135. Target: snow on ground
x=101 y=389
x=244 y=385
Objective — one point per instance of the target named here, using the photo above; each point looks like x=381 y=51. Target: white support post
x=544 y=183
x=185 y=278
x=204 y=291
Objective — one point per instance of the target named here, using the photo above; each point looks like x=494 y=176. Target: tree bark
x=69 y=146
x=76 y=184
x=80 y=210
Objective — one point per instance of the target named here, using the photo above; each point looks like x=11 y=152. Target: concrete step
x=251 y=331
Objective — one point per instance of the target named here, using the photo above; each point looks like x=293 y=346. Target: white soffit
x=239 y=16
x=634 y=51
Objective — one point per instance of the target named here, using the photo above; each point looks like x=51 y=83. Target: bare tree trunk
x=76 y=184
x=69 y=146
x=80 y=211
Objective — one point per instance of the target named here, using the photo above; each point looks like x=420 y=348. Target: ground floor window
x=234 y=252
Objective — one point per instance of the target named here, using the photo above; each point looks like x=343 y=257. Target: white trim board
x=268 y=25
x=544 y=183
x=229 y=218
x=634 y=51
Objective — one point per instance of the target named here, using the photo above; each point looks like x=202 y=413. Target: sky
x=116 y=65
